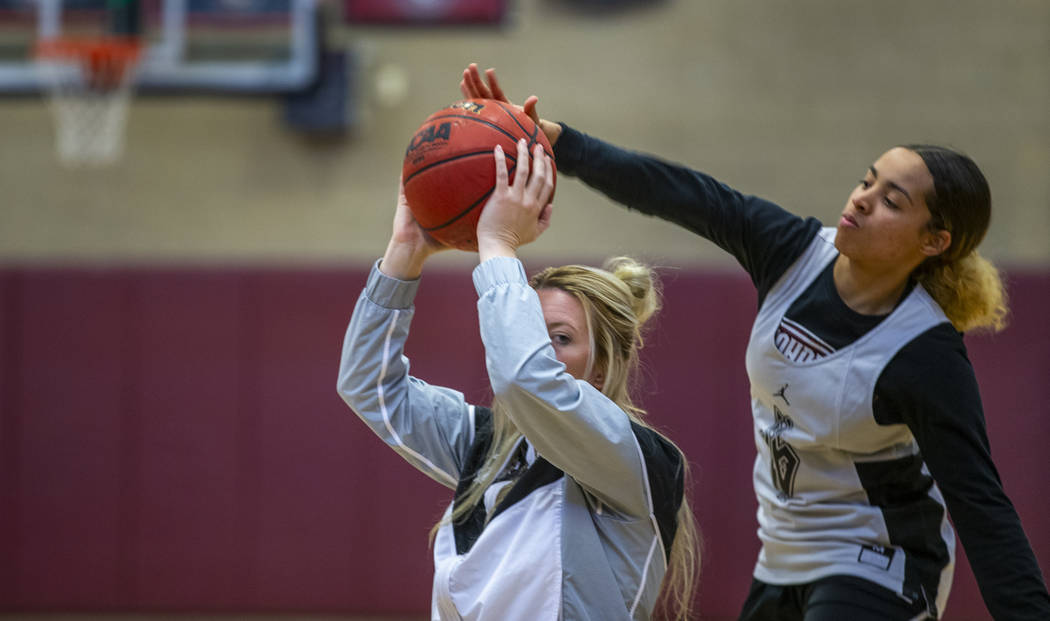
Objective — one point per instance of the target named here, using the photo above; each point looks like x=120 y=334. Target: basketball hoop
x=90 y=84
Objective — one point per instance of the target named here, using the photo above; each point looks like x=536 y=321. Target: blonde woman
x=566 y=504
x=867 y=417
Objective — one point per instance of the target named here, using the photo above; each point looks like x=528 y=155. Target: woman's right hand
x=410 y=245
x=519 y=212
x=473 y=86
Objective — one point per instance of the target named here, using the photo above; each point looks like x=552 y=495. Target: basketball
x=449 y=172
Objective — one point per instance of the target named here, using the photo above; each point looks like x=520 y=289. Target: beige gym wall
x=789 y=100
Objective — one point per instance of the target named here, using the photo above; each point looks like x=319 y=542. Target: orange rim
x=104 y=59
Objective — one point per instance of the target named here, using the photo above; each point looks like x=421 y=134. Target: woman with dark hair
x=868 y=421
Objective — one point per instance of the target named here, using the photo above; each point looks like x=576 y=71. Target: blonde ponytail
x=683 y=564
x=969 y=291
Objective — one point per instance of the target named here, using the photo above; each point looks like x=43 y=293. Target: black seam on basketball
x=477 y=120
x=472 y=205
x=454 y=158
x=515 y=119
x=535 y=130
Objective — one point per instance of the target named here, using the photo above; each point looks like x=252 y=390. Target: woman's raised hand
x=409 y=244
x=473 y=86
x=516 y=213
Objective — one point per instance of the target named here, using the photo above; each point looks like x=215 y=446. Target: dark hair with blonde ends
x=965 y=285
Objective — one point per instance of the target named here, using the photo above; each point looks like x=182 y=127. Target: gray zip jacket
x=586 y=528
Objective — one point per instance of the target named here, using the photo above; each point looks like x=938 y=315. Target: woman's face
x=884 y=224
x=567 y=328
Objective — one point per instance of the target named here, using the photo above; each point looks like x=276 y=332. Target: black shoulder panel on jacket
x=666 y=469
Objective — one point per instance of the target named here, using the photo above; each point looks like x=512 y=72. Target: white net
x=90 y=91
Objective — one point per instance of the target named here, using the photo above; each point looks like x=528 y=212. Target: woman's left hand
x=516 y=213
x=409 y=245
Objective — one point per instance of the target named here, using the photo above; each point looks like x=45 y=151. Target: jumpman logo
x=782 y=393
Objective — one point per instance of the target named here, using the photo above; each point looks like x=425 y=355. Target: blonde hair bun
x=642 y=282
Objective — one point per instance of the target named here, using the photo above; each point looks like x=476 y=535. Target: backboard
x=220 y=46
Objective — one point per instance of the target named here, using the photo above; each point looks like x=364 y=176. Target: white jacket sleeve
x=569 y=422
x=431 y=427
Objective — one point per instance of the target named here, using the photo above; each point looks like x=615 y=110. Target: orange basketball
x=449 y=171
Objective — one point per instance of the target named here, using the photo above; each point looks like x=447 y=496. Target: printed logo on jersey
x=784 y=460
x=782 y=393
x=799 y=344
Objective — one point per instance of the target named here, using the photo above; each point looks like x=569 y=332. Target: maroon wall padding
x=171 y=439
